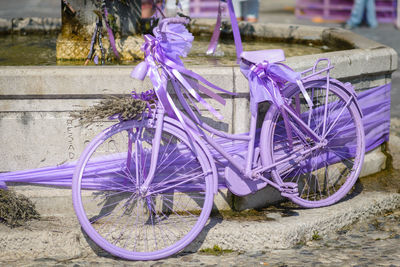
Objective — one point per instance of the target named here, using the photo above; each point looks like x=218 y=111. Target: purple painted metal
x=156 y=148
x=262 y=75
x=140 y=71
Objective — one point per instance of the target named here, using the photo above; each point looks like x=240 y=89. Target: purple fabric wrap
x=3 y=185
x=375 y=104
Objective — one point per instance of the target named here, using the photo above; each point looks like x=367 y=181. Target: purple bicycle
x=143 y=189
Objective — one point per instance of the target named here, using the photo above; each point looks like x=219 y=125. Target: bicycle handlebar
x=177 y=20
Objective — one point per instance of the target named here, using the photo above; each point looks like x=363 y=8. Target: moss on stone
x=387 y=180
x=247 y=215
x=215 y=251
x=316 y=236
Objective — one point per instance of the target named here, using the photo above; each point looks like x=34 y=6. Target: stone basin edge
x=33 y=96
x=367 y=59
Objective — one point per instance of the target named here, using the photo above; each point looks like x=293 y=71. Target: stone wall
x=29 y=25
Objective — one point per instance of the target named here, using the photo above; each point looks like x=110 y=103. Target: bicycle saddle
x=271 y=55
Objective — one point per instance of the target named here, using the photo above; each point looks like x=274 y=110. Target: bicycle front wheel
x=138 y=223
x=326 y=173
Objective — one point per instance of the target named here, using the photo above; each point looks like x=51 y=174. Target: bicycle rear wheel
x=133 y=222
x=326 y=174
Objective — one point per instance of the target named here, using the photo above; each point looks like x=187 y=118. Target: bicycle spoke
x=136 y=220
x=328 y=171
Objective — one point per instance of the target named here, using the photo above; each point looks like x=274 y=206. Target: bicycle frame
x=165 y=197
x=244 y=168
x=193 y=125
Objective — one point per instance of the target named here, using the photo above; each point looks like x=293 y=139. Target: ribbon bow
x=266 y=81
x=163 y=51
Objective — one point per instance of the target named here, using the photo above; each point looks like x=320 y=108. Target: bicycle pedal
x=289 y=190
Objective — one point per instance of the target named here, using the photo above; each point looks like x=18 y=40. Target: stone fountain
x=35 y=102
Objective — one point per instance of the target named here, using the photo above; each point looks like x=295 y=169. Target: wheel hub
x=324 y=143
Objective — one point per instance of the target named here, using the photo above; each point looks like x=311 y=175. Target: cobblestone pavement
x=373 y=242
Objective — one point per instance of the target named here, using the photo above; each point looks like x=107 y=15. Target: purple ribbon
x=266 y=81
x=159 y=12
x=212 y=47
x=171 y=41
x=110 y=33
x=235 y=29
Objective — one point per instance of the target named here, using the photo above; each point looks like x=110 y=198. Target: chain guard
x=239 y=185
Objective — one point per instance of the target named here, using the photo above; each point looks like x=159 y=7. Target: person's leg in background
x=371 y=14
x=185 y=4
x=238 y=6
x=357 y=14
x=147 y=8
x=250 y=10
x=172 y=8
x=398 y=15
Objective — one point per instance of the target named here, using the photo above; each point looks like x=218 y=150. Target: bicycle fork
x=155 y=149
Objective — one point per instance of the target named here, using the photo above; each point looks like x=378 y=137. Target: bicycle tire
x=327 y=174
x=109 y=204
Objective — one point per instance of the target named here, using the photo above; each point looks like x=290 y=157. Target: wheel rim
x=326 y=174
x=136 y=223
